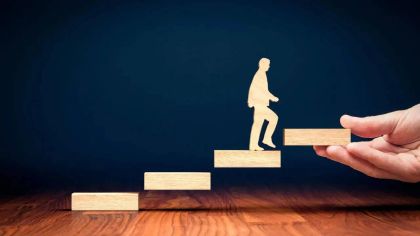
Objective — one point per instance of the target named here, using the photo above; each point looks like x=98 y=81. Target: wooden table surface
x=230 y=211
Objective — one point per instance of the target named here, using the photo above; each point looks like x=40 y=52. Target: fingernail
x=331 y=149
x=345 y=116
x=344 y=120
x=351 y=146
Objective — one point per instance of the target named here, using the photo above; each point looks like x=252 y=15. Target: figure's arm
x=272 y=97
x=251 y=93
x=269 y=95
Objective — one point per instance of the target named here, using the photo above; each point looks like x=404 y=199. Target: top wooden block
x=321 y=137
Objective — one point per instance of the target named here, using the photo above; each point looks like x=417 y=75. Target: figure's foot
x=256 y=148
x=269 y=143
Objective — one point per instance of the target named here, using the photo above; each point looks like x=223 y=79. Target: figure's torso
x=258 y=92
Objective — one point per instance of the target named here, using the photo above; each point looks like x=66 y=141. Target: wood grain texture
x=177 y=181
x=322 y=137
x=297 y=210
x=104 y=201
x=246 y=159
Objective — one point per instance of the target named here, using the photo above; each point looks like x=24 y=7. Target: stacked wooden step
x=177 y=181
x=319 y=137
x=105 y=202
x=246 y=159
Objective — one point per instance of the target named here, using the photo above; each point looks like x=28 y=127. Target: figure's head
x=264 y=64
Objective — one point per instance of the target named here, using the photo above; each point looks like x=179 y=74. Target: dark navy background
x=94 y=93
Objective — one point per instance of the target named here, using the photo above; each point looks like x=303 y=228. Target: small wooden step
x=321 y=137
x=177 y=181
x=247 y=159
x=111 y=201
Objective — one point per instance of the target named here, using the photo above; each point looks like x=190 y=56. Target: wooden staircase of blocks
x=202 y=180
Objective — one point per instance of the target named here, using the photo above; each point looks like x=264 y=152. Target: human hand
x=394 y=153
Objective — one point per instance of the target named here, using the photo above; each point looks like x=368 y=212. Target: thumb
x=371 y=126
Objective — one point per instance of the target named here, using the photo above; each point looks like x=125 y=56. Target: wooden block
x=322 y=137
x=105 y=202
x=246 y=159
x=177 y=181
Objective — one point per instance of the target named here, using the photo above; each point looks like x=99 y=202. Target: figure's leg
x=255 y=131
x=272 y=119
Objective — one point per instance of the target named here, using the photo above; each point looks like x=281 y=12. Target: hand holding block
x=321 y=137
x=246 y=159
x=104 y=201
x=177 y=181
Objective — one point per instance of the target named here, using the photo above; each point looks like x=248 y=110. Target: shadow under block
x=104 y=201
x=177 y=181
x=322 y=137
x=247 y=159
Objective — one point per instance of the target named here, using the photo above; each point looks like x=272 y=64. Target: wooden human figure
x=259 y=98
